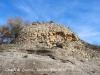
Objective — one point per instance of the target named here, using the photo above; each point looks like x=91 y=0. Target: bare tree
x=13 y=21
x=5 y=34
x=10 y=32
x=26 y=22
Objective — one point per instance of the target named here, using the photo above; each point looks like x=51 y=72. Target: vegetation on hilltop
x=10 y=31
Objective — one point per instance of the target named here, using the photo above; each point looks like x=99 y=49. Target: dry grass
x=7 y=46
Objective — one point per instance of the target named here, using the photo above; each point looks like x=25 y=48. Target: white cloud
x=26 y=8
x=82 y=18
x=89 y=34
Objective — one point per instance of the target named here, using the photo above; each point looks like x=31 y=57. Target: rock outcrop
x=46 y=34
x=17 y=63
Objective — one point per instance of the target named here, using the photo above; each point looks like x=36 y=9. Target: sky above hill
x=82 y=16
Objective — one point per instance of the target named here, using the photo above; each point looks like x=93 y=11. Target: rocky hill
x=50 y=49
x=46 y=34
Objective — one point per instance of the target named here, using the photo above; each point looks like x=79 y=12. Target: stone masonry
x=46 y=34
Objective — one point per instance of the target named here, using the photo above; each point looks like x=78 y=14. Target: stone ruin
x=38 y=53
x=45 y=34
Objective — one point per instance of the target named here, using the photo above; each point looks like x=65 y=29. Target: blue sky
x=82 y=16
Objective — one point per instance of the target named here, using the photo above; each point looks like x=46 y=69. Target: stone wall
x=50 y=35
x=47 y=34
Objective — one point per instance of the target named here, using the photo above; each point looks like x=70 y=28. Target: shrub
x=10 y=32
x=5 y=34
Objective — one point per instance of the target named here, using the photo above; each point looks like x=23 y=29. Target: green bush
x=15 y=30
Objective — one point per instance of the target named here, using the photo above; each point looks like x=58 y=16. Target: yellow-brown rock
x=46 y=32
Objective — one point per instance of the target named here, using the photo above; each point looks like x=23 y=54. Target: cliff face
x=49 y=49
